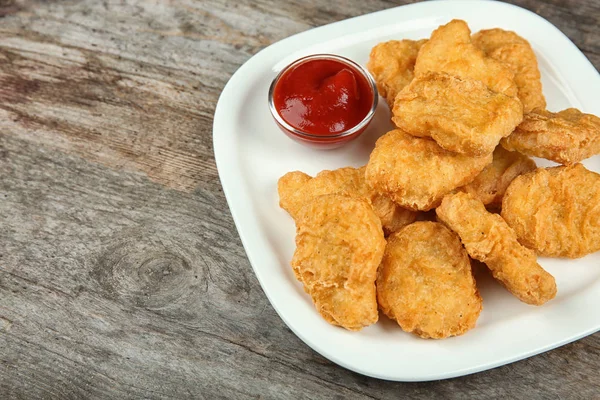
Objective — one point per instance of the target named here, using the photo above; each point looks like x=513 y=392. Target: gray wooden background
x=121 y=272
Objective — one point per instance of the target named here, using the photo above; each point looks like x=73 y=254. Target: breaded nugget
x=516 y=52
x=461 y=115
x=489 y=186
x=556 y=211
x=391 y=64
x=339 y=245
x=566 y=137
x=488 y=238
x=415 y=172
x=450 y=50
x=425 y=282
x=297 y=188
x=288 y=188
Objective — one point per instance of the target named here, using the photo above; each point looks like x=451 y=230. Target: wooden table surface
x=121 y=271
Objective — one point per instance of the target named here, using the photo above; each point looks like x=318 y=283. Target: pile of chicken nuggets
x=469 y=112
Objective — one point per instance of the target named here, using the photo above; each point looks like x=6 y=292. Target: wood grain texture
x=121 y=272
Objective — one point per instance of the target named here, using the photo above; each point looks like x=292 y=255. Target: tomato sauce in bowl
x=323 y=100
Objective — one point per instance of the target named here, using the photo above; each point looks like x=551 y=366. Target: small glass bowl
x=326 y=141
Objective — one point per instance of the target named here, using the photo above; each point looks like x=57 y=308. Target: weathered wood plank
x=121 y=273
x=129 y=283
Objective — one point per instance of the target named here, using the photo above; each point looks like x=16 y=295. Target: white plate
x=251 y=154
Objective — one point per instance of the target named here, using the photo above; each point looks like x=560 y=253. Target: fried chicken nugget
x=297 y=188
x=425 y=282
x=488 y=238
x=491 y=184
x=461 y=115
x=566 y=137
x=391 y=64
x=516 y=52
x=450 y=50
x=339 y=246
x=288 y=188
x=556 y=211
x=415 y=172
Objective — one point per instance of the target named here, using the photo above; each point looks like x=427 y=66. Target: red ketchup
x=323 y=97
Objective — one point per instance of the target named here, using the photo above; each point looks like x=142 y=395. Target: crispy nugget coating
x=566 y=137
x=491 y=184
x=556 y=211
x=450 y=50
x=297 y=188
x=391 y=63
x=415 y=172
x=425 y=282
x=516 y=52
x=393 y=217
x=288 y=188
x=339 y=245
x=488 y=238
x=461 y=115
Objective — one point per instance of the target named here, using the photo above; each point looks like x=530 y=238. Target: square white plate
x=251 y=154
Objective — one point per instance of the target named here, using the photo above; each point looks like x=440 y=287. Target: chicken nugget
x=391 y=64
x=415 y=172
x=556 y=211
x=565 y=137
x=288 y=188
x=297 y=188
x=461 y=115
x=339 y=246
x=489 y=239
x=517 y=54
x=425 y=282
x=450 y=50
x=491 y=184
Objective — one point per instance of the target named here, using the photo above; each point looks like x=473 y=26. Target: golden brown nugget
x=425 y=282
x=415 y=172
x=450 y=50
x=339 y=246
x=488 y=238
x=288 y=188
x=491 y=184
x=391 y=64
x=516 y=52
x=556 y=211
x=566 y=137
x=297 y=188
x=461 y=115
